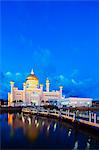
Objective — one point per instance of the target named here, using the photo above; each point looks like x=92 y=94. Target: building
x=71 y=102
x=59 y=102
x=79 y=102
x=32 y=93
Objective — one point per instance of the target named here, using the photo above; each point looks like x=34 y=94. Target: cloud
x=75 y=73
x=18 y=74
x=61 y=77
x=5 y=79
x=73 y=81
x=88 y=87
x=8 y=73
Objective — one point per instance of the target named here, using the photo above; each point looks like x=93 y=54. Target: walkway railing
x=92 y=119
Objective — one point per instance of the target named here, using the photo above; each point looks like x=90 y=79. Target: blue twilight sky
x=59 y=40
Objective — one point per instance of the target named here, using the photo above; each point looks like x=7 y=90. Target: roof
x=32 y=76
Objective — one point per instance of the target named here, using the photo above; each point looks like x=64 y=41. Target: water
x=28 y=132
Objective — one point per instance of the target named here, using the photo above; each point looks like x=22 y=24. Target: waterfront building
x=79 y=102
x=71 y=102
x=33 y=92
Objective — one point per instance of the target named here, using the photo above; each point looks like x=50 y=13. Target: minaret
x=41 y=87
x=47 y=85
x=24 y=91
x=12 y=86
x=61 y=87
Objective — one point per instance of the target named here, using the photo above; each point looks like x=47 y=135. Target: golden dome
x=32 y=76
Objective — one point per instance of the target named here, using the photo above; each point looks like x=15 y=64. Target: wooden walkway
x=92 y=121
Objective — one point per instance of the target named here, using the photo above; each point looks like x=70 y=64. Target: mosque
x=33 y=92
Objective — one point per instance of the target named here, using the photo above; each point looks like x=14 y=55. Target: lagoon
x=42 y=133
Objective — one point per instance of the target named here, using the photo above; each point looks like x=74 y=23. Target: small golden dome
x=47 y=80
x=61 y=87
x=11 y=82
x=24 y=83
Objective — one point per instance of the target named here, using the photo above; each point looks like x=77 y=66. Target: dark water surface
x=32 y=132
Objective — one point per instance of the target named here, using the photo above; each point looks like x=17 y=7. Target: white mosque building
x=32 y=92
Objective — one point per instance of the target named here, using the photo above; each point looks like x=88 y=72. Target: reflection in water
x=43 y=123
x=69 y=132
x=54 y=127
x=39 y=132
x=75 y=145
x=48 y=128
x=10 y=119
x=10 y=122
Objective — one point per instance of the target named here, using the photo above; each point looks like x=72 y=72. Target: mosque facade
x=33 y=92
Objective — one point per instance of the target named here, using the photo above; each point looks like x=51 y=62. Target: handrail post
x=59 y=114
x=29 y=120
x=74 y=116
x=23 y=119
x=48 y=111
x=94 y=118
x=90 y=117
x=68 y=112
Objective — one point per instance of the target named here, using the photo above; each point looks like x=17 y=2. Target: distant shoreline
x=19 y=109
x=10 y=109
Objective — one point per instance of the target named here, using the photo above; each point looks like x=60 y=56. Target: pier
x=91 y=120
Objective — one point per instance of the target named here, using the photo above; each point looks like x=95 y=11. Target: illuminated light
x=88 y=102
x=55 y=126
